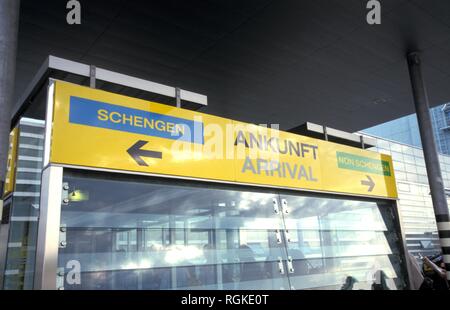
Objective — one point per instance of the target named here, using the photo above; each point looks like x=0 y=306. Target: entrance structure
x=127 y=206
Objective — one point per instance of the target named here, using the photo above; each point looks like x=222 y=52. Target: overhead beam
x=55 y=64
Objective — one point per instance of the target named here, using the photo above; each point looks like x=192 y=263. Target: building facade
x=138 y=233
x=415 y=205
x=90 y=242
x=97 y=224
x=405 y=130
x=21 y=207
x=113 y=228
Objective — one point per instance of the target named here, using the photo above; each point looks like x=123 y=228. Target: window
x=136 y=233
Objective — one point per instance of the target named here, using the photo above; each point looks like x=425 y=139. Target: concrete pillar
x=435 y=180
x=9 y=25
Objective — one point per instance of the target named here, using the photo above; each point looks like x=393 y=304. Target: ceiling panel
x=260 y=61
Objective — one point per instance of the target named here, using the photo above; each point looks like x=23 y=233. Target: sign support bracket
x=92 y=76
x=178 y=96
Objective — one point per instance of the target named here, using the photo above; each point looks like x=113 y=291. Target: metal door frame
x=48 y=230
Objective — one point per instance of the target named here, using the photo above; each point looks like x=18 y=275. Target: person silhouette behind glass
x=155 y=278
x=380 y=282
x=207 y=272
x=349 y=283
x=250 y=270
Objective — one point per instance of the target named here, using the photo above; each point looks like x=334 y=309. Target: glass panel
x=22 y=237
x=141 y=234
x=409 y=159
x=342 y=244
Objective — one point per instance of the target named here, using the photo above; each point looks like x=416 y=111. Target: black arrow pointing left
x=137 y=153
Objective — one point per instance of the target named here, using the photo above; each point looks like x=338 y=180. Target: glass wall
x=405 y=130
x=415 y=204
x=23 y=211
x=336 y=239
x=133 y=233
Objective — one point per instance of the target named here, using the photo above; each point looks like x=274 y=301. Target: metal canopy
x=262 y=61
x=334 y=135
x=65 y=69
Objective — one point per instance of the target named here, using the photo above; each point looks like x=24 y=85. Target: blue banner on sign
x=109 y=116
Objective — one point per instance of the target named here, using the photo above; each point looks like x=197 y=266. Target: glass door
x=341 y=244
x=133 y=233
x=121 y=232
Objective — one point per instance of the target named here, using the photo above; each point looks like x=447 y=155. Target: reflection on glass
x=136 y=235
x=155 y=235
x=342 y=244
x=24 y=207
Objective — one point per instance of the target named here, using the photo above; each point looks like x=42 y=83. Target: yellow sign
x=11 y=164
x=95 y=128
